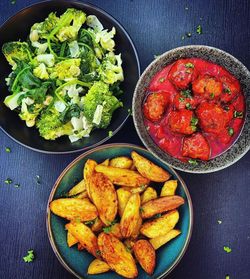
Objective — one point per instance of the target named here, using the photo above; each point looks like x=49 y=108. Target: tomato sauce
x=194 y=109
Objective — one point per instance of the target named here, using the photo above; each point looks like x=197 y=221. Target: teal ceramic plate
x=167 y=257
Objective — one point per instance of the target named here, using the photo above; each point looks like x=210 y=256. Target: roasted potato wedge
x=137 y=228
x=123 y=177
x=71 y=240
x=121 y=162
x=160 y=205
x=105 y=163
x=78 y=188
x=169 y=188
x=123 y=197
x=103 y=194
x=130 y=216
x=98 y=225
x=72 y=209
x=115 y=230
x=97 y=266
x=161 y=225
x=148 y=195
x=135 y=190
x=148 y=169
x=85 y=236
x=117 y=257
x=88 y=171
x=145 y=254
x=157 y=242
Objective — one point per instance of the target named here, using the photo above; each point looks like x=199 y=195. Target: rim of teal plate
x=80 y=157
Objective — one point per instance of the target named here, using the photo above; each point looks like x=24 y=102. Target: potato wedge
x=121 y=162
x=78 y=188
x=137 y=228
x=85 y=236
x=129 y=243
x=105 y=163
x=145 y=254
x=115 y=230
x=97 y=266
x=148 y=169
x=71 y=240
x=157 y=242
x=169 y=188
x=135 y=190
x=103 y=194
x=117 y=257
x=160 y=205
x=161 y=225
x=148 y=195
x=123 y=197
x=88 y=171
x=130 y=216
x=72 y=209
x=98 y=225
x=123 y=177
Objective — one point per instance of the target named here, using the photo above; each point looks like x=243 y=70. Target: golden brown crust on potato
x=123 y=177
x=88 y=171
x=78 y=188
x=71 y=240
x=157 y=242
x=145 y=254
x=121 y=162
x=116 y=255
x=85 y=236
x=103 y=194
x=98 y=225
x=160 y=205
x=161 y=225
x=97 y=266
x=148 y=195
x=73 y=208
x=169 y=188
x=131 y=215
x=123 y=197
x=148 y=169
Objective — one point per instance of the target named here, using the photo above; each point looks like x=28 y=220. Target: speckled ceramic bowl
x=220 y=57
x=77 y=262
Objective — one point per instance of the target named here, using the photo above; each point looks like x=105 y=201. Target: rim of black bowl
x=83 y=4
x=166 y=158
x=56 y=185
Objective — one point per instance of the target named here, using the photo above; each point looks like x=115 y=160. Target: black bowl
x=17 y=27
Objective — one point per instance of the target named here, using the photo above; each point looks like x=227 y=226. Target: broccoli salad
x=65 y=78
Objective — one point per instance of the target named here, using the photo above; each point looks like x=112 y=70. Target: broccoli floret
x=105 y=39
x=48 y=59
x=41 y=72
x=69 y=24
x=16 y=51
x=99 y=105
x=66 y=69
x=111 y=70
x=49 y=125
x=29 y=114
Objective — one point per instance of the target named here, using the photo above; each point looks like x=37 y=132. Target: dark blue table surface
x=155 y=26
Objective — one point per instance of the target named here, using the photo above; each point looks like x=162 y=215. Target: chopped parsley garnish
x=212 y=95
x=219 y=222
x=186 y=93
x=186 y=8
x=128 y=249
x=91 y=222
x=16 y=185
x=227 y=277
x=8 y=181
x=98 y=253
x=161 y=80
x=193 y=162
x=13 y=2
x=189 y=65
x=29 y=257
x=129 y=111
x=181 y=99
x=230 y=131
x=110 y=134
x=194 y=121
x=107 y=229
x=38 y=179
x=227 y=90
x=227 y=249
x=226 y=108
x=188 y=34
x=157 y=216
x=182 y=37
x=188 y=106
x=156 y=56
x=7 y=149
x=141 y=209
x=199 y=29
x=238 y=114
x=143 y=187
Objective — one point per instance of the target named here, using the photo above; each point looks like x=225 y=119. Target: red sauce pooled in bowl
x=194 y=109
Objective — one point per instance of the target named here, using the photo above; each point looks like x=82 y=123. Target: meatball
x=182 y=121
x=196 y=147
x=231 y=89
x=155 y=106
x=213 y=118
x=184 y=99
x=207 y=87
x=182 y=73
